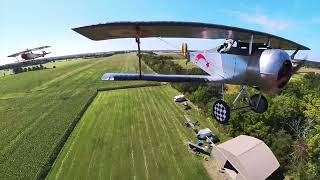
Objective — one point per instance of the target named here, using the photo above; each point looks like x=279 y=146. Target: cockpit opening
x=240 y=48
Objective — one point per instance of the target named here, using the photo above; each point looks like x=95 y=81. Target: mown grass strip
x=46 y=168
x=138 y=141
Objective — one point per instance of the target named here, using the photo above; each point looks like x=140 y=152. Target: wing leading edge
x=171 y=29
x=162 y=78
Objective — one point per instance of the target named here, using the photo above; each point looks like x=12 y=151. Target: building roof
x=250 y=156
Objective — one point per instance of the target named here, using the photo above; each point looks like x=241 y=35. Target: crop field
x=36 y=109
x=132 y=134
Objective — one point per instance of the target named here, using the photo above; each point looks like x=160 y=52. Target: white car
x=179 y=98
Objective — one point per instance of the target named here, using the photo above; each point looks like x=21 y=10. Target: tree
x=281 y=146
x=313 y=143
x=17 y=70
x=312 y=106
x=282 y=110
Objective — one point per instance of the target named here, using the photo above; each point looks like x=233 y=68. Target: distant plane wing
x=162 y=78
x=39 y=48
x=28 y=50
x=17 y=54
x=170 y=29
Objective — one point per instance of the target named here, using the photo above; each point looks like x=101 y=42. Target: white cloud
x=262 y=20
x=266 y=22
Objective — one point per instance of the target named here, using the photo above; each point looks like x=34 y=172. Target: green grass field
x=37 y=107
x=131 y=134
x=4 y=73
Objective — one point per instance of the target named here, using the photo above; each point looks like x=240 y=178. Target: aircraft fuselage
x=30 y=55
x=266 y=69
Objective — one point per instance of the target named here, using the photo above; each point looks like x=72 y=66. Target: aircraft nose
x=284 y=73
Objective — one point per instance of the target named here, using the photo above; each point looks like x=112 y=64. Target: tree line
x=290 y=127
x=17 y=70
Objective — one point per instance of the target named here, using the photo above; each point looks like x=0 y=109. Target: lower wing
x=161 y=78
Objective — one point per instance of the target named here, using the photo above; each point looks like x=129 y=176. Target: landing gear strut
x=221 y=110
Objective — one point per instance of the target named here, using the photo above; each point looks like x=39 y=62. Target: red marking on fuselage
x=200 y=57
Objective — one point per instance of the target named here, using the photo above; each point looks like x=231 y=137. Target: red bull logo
x=202 y=57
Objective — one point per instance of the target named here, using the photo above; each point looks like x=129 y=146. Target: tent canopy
x=250 y=156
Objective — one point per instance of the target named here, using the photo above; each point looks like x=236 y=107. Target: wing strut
x=294 y=53
x=250 y=44
x=138 y=43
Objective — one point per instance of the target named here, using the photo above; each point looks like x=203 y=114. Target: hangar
x=245 y=157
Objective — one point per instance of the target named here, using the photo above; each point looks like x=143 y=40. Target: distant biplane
x=29 y=54
x=247 y=58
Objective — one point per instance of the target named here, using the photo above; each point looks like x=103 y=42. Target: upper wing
x=183 y=30
x=16 y=54
x=162 y=78
x=38 y=48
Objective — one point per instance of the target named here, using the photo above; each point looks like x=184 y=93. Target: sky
x=32 y=23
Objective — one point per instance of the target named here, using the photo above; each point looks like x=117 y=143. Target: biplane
x=247 y=58
x=29 y=54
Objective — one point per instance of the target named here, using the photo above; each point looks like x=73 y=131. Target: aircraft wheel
x=221 y=111
x=262 y=106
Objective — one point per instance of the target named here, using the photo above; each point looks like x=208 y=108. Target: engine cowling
x=275 y=70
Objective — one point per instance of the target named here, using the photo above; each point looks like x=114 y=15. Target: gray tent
x=246 y=157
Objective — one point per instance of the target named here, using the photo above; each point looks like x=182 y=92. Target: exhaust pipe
x=185 y=52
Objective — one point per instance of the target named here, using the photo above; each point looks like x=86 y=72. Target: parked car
x=179 y=98
x=186 y=106
x=203 y=134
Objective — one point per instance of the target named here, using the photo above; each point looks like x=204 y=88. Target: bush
x=17 y=70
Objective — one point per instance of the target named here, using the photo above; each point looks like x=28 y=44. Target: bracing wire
x=168 y=43
x=176 y=47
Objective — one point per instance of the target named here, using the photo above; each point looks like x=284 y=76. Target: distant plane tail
x=45 y=53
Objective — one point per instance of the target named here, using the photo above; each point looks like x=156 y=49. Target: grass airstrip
x=130 y=134
x=134 y=133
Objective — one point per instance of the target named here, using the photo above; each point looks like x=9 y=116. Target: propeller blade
x=296 y=68
x=299 y=63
